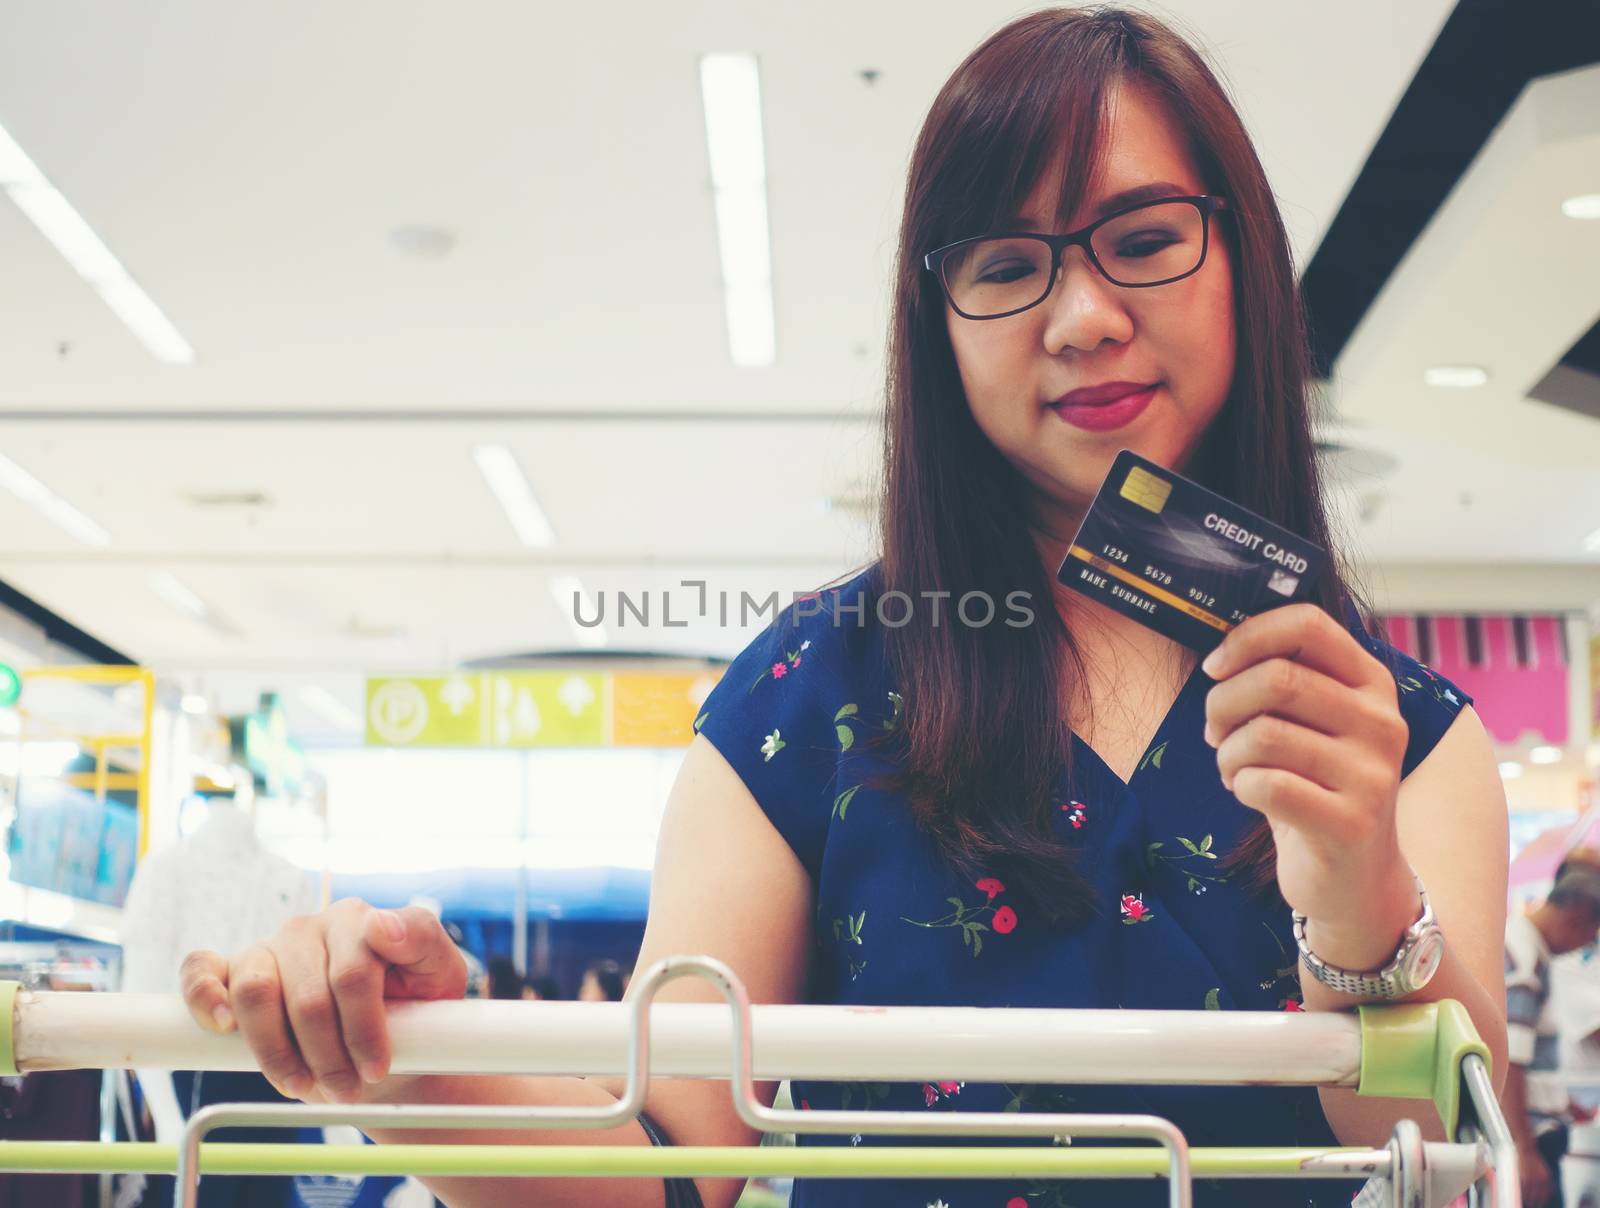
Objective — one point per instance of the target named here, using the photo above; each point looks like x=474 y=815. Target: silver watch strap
x=1390 y=981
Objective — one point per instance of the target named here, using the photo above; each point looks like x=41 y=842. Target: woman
x=1066 y=784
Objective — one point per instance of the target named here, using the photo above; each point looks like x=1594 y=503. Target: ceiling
x=310 y=477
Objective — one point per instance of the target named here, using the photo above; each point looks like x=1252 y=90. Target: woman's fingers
x=203 y=977
x=356 y=977
x=256 y=991
x=424 y=961
x=310 y=1002
x=301 y=951
x=1295 y=693
x=1271 y=742
x=1303 y=633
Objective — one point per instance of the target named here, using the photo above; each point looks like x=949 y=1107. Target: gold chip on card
x=1145 y=489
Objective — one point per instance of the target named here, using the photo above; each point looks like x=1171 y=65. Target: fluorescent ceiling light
x=505 y=478
x=180 y=597
x=730 y=86
x=1545 y=755
x=1510 y=770
x=330 y=708
x=571 y=597
x=50 y=505
x=1586 y=205
x=194 y=705
x=49 y=210
x=1460 y=377
x=1591 y=543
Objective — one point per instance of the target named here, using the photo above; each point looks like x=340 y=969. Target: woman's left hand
x=1307 y=727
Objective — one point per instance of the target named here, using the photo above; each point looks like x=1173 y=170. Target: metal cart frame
x=1427 y=1051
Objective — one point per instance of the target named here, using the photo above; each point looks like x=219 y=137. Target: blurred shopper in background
x=504 y=980
x=602 y=982
x=1536 y=1103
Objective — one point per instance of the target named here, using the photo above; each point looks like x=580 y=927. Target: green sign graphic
x=10 y=686
x=488 y=709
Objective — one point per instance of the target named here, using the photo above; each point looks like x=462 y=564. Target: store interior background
x=411 y=256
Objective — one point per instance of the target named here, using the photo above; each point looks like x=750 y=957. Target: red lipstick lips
x=1105 y=407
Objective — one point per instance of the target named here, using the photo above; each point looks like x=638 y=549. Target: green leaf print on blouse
x=1033 y=1097
x=1153 y=857
x=1410 y=683
x=846 y=734
x=700 y=721
x=1154 y=757
x=1285 y=979
x=870 y=1094
x=1003 y=918
x=848 y=931
x=789 y=661
x=1214 y=998
x=841 y=803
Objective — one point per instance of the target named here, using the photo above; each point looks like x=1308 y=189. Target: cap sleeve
x=772 y=717
x=1428 y=701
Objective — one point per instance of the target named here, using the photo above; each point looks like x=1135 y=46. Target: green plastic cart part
x=8 y=1029
x=883 y=1162
x=1415 y=1051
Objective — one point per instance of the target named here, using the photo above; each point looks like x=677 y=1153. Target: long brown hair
x=984 y=732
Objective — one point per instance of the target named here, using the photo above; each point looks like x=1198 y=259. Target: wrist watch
x=1412 y=966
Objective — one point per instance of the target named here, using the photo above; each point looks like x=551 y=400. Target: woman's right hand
x=310 y=1000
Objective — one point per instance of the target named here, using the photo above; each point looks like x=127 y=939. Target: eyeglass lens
x=1145 y=246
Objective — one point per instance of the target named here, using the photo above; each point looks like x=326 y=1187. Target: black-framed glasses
x=1157 y=243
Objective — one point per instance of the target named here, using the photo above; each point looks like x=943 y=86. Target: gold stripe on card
x=1150 y=589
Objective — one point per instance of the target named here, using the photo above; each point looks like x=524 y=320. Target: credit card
x=1182 y=560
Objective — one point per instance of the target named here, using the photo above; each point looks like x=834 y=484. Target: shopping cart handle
x=1416 y=1051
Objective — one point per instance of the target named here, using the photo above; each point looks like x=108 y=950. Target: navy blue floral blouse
x=896 y=926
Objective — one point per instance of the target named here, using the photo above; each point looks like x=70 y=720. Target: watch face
x=1424 y=961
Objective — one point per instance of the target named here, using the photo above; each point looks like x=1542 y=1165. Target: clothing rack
x=1426 y=1051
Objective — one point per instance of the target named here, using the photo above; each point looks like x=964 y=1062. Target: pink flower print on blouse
x=969 y=918
x=933 y=1092
x=781 y=668
x=1134 y=910
x=1016 y=1201
x=1076 y=812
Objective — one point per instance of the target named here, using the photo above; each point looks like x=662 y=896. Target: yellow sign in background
x=525 y=709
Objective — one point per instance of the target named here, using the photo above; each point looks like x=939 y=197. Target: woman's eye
x=1004 y=274
x=1138 y=246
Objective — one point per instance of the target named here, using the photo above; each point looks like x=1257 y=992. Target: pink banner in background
x=1516 y=668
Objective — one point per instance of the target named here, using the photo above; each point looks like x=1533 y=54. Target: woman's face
x=1088 y=332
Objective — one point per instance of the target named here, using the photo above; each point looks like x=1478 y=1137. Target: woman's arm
x=726 y=884
x=1308 y=731
x=1452 y=823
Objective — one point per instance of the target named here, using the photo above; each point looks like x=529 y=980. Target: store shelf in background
x=56 y=912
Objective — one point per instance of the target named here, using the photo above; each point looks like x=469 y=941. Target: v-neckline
x=1161 y=728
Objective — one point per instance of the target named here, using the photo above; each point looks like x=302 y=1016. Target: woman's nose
x=1084 y=310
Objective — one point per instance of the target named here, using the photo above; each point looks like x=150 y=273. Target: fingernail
x=394 y=925
x=1212 y=662
x=371 y=1072
x=223 y=1016
x=1210 y=737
